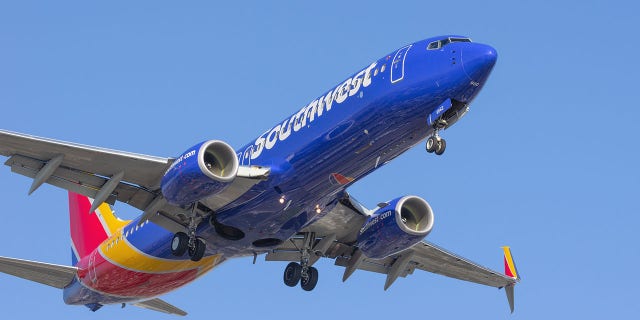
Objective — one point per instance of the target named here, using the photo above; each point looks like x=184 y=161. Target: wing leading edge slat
x=141 y=169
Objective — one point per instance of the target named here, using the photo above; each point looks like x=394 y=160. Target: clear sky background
x=546 y=161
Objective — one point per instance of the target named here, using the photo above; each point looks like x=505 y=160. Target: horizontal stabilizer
x=53 y=275
x=160 y=305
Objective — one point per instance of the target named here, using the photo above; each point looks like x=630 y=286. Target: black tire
x=179 y=244
x=432 y=144
x=198 y=252
x=292 y=274
x=442 y=145
x=312 y=279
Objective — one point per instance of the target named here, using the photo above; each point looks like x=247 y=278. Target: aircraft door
x=397 y=64
x=92 y=268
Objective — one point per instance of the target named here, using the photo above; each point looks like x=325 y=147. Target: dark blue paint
x=433 y=116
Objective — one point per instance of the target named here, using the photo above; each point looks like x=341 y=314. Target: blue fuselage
x=341 y=136
x=366 y=121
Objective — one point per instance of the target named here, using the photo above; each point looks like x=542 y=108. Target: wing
x=334 y=236
x=109 y=175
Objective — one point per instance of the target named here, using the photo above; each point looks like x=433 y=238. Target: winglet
x=509 y=266
x=510 y=270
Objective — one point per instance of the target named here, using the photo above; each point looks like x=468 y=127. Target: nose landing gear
x=436 y=144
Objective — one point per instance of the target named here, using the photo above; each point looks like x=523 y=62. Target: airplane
x=283 y=195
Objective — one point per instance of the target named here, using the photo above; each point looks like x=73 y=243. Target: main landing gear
x=183 y=242
x=302 y=272
x=295 y=272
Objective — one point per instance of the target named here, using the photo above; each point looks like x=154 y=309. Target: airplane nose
x=478 y=61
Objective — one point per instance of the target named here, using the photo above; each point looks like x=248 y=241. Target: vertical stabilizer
x=89 y=229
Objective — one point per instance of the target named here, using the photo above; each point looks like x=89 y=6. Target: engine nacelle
x=399 y=225
x=202 y=171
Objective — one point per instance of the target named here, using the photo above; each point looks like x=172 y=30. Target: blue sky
x=546 y=161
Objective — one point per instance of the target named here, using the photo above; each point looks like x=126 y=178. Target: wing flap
x=53 y=275
x=82 y=182
x=161 y=306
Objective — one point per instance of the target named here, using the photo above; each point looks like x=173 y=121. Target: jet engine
x=203 y=170
x=397 y=226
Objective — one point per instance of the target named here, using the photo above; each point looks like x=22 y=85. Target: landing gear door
x=438 y=112
x=397 y=64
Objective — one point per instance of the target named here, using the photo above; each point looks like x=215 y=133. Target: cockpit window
x=441 y=43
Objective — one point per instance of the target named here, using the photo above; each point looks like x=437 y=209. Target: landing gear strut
x=302 y=272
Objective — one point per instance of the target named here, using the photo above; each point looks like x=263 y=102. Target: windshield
x=441 y=43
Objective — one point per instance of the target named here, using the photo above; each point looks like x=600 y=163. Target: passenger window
x=383 y=67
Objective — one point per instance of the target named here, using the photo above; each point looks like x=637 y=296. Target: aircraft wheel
x=432 y=144
x=197 y=252
x=179 y=244
x=311 y=280
x=292 y=274
x=441 y=146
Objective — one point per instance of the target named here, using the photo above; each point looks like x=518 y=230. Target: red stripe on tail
x=507 y=269
x=87 y=231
